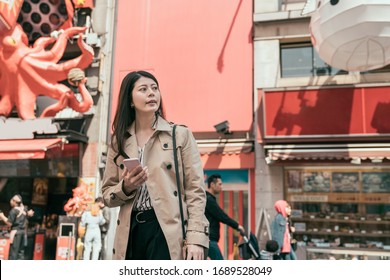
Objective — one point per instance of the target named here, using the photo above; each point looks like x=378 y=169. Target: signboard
x=237 y=180
x=65 y=248
x=4 y=248
x=39 y=246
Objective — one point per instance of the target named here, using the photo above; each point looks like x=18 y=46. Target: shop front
x=44 y=172
x=341 y=211
x=330 y=147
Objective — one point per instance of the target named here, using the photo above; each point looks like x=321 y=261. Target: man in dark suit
x=216 y=215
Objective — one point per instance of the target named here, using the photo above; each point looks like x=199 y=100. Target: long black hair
x=125 y=114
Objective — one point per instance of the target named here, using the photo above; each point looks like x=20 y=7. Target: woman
x=281 y=230
x=91 y=221
x=149 y=223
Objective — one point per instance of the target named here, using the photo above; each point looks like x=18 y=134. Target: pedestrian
x=149 y=224
x=17 y=220
x=104 y=227
x=92 y=220
x=216 y=215
x=280 y=229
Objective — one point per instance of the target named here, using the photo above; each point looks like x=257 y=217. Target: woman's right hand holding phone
x=134 y=178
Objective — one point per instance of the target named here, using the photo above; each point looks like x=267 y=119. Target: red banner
x=39 y=246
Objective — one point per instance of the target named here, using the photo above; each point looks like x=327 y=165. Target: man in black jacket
x=17 y=220
x=216 y=215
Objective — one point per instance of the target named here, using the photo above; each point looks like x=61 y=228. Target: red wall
x=337 y=111
x=201 y=53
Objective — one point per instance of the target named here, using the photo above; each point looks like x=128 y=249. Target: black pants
x=16 y=246
x=146 y=239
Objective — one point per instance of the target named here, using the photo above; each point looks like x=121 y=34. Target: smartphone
x=131 y=163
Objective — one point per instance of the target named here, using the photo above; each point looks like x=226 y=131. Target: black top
x=17 y=219
x=215 y=215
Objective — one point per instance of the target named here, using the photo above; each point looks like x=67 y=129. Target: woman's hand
x=195 y=252
x=134 y=178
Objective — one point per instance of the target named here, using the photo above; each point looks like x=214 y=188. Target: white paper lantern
x=352 y=35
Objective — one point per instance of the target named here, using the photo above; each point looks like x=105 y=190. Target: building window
x=302 y=60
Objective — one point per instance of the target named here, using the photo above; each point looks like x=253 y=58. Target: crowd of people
x=17 y=220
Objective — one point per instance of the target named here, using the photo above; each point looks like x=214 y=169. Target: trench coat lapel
x=131 y=148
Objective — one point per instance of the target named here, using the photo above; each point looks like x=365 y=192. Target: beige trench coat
x=162 y=187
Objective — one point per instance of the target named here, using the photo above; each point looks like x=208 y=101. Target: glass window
x=340 y=208
x=301 y=60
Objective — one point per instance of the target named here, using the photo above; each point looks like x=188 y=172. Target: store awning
x=227 y=154
x=373 y=151
x=27 y=148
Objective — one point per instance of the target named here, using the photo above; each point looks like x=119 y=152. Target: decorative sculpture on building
x=78 y=203
x=27 y=72
x=352 y=35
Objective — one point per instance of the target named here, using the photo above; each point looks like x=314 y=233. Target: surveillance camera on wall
x=223 y=127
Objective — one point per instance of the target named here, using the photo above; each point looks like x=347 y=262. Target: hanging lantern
x=352 y=35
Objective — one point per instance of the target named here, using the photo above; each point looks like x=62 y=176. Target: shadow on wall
x=380 y=117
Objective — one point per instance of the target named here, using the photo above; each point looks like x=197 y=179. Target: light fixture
x=350 y=35
x=223 y=128
x=356 y=160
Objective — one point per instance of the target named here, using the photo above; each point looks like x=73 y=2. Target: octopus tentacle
x=52 y=110
x=27 y=72
x=59 y=72
x=58 y=49
x=82 y=61
x=41 y=43
x=5 y=104
x=87 y=101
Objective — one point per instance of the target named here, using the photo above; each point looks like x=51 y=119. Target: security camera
x=223 y=127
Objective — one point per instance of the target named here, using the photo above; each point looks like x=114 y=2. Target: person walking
x=104 y=227
x=92 y=220
x=280 y=230
x=149 y=225
x=216 y=215
x=17 y=220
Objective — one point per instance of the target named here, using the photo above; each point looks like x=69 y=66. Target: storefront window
x=340 y=208
x=47 y=197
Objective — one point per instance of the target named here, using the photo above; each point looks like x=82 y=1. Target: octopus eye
x=334 y=2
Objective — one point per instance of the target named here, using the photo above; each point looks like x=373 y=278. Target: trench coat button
x=112 y=195
x=165 y=145
x=175 y=193
x=118 y=222
x=169 y=166
x=121 y=166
